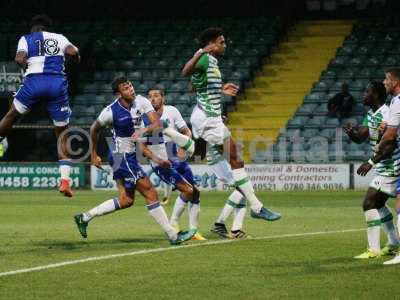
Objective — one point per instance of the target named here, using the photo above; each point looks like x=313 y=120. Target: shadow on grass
x=121 y=244
x=336 y=265
x=72 y=245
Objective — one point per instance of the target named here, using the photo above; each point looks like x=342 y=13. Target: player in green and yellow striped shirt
x=387 y=171
x=206 y=117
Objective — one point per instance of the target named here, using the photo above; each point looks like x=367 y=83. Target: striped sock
x=388 y=225
x=65 y=168
x=194 y=212
x=373 y=229
x=104 y=208
x=158 y=213
x=229 y=206
x=179 y=207
x=243 y=183
x=240 y=214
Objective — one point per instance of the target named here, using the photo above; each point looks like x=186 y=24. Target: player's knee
x=368 y=204
x=125 y=201
x=195 y=196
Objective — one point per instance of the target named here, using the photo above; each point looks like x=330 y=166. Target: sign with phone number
x=275 y=177
x=37 y=176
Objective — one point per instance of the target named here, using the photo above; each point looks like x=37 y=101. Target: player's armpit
x=72 y=52
x=21 y=58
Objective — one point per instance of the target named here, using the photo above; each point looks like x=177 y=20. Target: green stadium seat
x=322 y=86
x=309 y=133
x=179 y=86
x=102 y=76
x=134 y=76
x=315 y=97
x=321 y=110
x=372 y=62
x=338 y=62
x=358 y=85
x=329 y=75
x=348 y=73
x=297 y=122
x=331 y=123
x=90 y=88
x=356 y=61
x=306 y=109
x=315 y=122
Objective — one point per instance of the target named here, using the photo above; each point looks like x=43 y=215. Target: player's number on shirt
x=48 y=46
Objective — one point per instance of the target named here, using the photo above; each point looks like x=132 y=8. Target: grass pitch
x=37 y=229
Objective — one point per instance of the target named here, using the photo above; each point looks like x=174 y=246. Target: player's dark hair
x=156 y=88
x=42 y=20
x=379 y=89
x=209 y=35
x=116 y=82
x=395 y=71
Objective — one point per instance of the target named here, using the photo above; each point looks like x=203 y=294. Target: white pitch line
x=172 y=248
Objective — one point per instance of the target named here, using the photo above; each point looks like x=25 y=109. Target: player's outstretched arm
x=94 y=134
x=191 y=64
x=358 y=136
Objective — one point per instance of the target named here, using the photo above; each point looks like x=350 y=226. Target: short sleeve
x=105 y=118
x=179 y=122
x=22 y=45
x=394 y=114
x=202 y=63
x=64 y=42
x=144 y=104
x=385 y=115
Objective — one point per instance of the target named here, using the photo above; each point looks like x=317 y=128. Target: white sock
x=388 y=225
x=104 y=208
x=158 y=213
x=180 y=139
x=242 y=182
x=374 y=229
x=240 y=214
x=194 y=212
x=230 y=204
x=65 y=168
x=179 y=207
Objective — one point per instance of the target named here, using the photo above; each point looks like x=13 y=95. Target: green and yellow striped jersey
x=207 y=82
x=389 y=167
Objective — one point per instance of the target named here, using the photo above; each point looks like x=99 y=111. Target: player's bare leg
x=378 y=215
x=7 y=123
x=189 y=195
x=64 y=161
x=125 y=199
x=148 y=191
x=243 y=184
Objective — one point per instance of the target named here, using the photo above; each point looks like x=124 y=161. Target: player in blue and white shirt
x=42 y=54
x=124 y=116
x=168 y=161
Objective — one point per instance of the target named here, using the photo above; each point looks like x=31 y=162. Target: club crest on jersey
x=217 y=72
